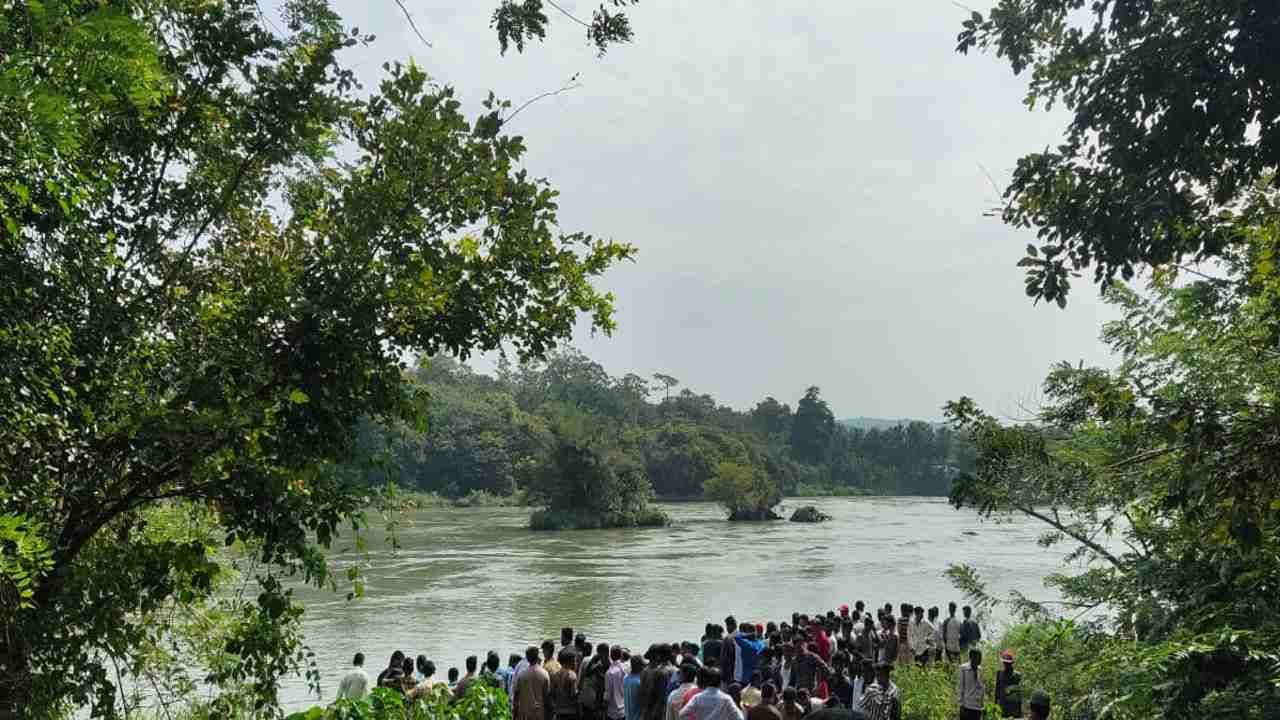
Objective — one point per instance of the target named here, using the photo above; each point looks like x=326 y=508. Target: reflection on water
x=470 y=580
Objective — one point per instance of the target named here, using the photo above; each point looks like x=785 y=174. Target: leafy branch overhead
x=518 y=21
x=1173 y=123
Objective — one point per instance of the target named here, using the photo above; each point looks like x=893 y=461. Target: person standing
x=564 y=687
x=614 y=686
x=473 y=664
x=866 y=677
x=1039 y=705
x=551 y=664
x=905 y=656
x=631 y=698
x=729 y=652
x=1008 y=687
x=356 y=682
x=882 y=700
x=532 y=689
x=675 y=699
x=970 y=633
x=712 y=703
x=971 y=693
x=951 y=629
x=867 y=642
x=768 y=707
x=591 y=684
x=921 y=636
x=937 y=634
x=888 y=646
x=653 y=684
x=393 y=667
x=429 y=680
x=749 y=649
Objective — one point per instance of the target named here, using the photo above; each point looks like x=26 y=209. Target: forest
x=494 y=434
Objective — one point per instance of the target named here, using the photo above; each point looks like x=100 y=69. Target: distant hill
x=870 y=423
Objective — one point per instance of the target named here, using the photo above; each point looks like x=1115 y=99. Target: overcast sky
x=804 y=182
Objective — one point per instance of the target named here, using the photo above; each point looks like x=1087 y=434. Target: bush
x=745 y=491
x=481 y=702
x=586 y=520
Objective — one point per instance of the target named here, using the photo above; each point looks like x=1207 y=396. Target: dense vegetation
x=217 y=251
x=1163 y=472
x=526 y=426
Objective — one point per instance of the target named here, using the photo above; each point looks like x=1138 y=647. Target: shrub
x=481 y=702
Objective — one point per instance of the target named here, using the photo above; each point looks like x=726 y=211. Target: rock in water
x=809 y=514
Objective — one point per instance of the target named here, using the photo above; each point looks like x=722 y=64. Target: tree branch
x=412 y=24
x=1065 y=530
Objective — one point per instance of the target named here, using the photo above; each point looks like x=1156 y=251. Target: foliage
x=1162 y=473
x=494 y=433
x=1170 y=453
x=592 y=478
x=480 y=702
x=745 y=492
x=812 y=427
x=518 y=21
x=1172 y=127
x=218 y=252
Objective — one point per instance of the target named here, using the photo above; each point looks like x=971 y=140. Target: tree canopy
x=1160 y=473
x=1173 y=128
x=218 y=252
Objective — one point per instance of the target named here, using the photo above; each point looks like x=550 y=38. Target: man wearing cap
x=1008 y=687
x=882 y=700
x=1039 y=705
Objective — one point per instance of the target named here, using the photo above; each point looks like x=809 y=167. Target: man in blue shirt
x=631 y=689
x=749 y=650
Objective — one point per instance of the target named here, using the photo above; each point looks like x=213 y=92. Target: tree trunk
x=15 y=659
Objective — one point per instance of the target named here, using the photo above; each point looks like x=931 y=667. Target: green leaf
x=297 y=397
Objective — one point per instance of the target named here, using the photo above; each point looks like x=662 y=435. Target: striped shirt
x=882 y=704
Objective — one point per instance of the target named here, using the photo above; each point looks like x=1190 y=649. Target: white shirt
x=354 y=684
x=970 y=691
x=673 y=700
x=858 y=686
x=949 y=629
x=711 y=704
x=920 y=637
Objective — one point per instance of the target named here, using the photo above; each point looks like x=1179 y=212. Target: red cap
x=844 y=609
x=759 y=629
x=1006 y=656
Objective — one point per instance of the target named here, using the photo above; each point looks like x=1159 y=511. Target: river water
x=466 y=581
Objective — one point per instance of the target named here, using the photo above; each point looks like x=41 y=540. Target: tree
x=812 y=428
x=591 y=478
x=1173 y=125
x=745 y=491
x=217 y=255
x=1171 y=155
x=1163 y=476
x=667 y=383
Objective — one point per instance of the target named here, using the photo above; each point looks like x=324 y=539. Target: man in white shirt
x=950 y=630
x=675 y=699
x=971 y=693
x=355 y=683
x=920 y=636
x=712 y=703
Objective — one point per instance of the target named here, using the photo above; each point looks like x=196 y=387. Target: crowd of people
x=834 y=665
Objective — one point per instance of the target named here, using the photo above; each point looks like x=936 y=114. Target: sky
x=806 y=183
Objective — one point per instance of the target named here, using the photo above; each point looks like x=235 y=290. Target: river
x=465 y=581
